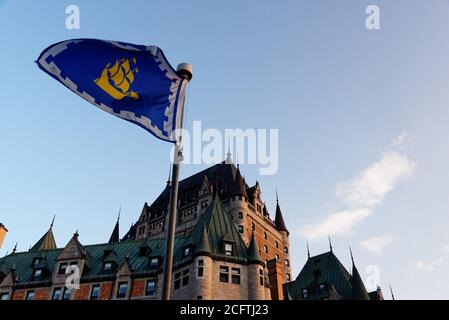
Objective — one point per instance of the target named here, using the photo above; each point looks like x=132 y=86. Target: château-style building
x=227 y=247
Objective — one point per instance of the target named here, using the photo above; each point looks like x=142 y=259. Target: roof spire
x=391 y=291
x=308 y=250
x=330 y=242
x=169 y=176
x=52 y=222
x=115 y=236
x=229 y=154
x=277 y=197
x=352 y=257
x=15 y=248
x=279 y=219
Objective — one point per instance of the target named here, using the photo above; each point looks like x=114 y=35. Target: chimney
x=3 y=232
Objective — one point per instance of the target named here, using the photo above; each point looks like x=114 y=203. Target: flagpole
x=184 y=71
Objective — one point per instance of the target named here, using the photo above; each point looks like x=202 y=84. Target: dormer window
x=187 y=251
x=107 y=267
x=228 y=249
x=305 y=293
x=36 y=261
x=154 y=263
x=4 y=296
x=62 y=268
x=37 y=275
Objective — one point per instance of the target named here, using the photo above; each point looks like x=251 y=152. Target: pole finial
x=184 y=70
x=229 y=154
x=391 y=291
x=308 y=249
x=330 y=242
x=52 y=222
x=119 y=212
x=15 y=248
x=277 y=196
x=350 y=252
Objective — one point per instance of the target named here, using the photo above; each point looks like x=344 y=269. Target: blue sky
x=339 y=94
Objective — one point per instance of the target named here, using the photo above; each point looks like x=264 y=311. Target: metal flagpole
x=184 y=70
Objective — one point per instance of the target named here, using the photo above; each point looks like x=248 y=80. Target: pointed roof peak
x=115 y=235
x=330 y=242
x=46 y=242
x=279 y=219
x=352 y=257
x=391 y=291
x=358 y=288
x=253 y=251
x=308 y=249
x=239 y=188
x=204 y=246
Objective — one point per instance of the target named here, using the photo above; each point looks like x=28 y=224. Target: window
x=235 y=276
x=30 y=295
x=154 y=263
x=57 y=294
x=4 y=296
x=277 y=256
x=37 y=274
x=228 y=249
x=122 y=289
x=107 y=267
x=240 y=215
x=178 y=280
x=288 y=276
x=276 y=244
x=265 y=248
x=36 y=261
x=253 y=226
x=62 y=268
x=265 y=236
x=186 y=251
x=224 y=274
x=240 y=229
x=67 y=294
x=261 y=277
x=305 y=293
x=200 y=268
x=95 y=292
x=285 y=250
x=151 y=288
x=182 y=278
x=287 y=263
x=322 y=286
x=185 y=277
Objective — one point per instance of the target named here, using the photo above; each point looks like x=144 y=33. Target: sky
x=362 y=119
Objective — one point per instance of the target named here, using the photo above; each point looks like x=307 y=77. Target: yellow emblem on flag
x=116 y=80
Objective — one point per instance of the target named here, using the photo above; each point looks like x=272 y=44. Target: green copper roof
x=254 y=254
x=220 y=229
x=358 y=288
x=323 y=268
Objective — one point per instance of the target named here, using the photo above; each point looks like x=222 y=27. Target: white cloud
x=429 y=266
x=361 y=194
x=370 y=186
x=401 y=140
x=446 y=248
x=377 y=244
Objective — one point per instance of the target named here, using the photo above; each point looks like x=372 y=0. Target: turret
x=203 y=267
x=47 y=242
x=256 y=273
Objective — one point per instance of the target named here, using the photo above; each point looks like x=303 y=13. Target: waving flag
x=133 y=82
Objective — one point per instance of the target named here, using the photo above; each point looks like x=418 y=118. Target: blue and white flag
x=133 y=82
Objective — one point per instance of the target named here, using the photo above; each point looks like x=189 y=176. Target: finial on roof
x=330 y=242
x=277 y=196
x=52 y=222
x=229 y=154
x=352 y=257
x=15 y=248
x=119 y=211
x=169 y=176
x=76 y=234
x=391 y=291
x=308 y=250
